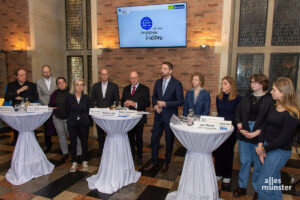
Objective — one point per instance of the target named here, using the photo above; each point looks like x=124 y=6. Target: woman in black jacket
x=77 y=110
x=250 y=116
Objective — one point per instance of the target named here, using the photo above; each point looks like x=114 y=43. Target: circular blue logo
x=146 y=23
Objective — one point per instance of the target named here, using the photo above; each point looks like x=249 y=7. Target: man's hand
x=18 y=98
x=129 y=103
x=157 y=109
x=22 y=89
x=161 y=104
x=239 y=126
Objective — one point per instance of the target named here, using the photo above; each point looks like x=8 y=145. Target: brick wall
x=204 y=26
x=15 y=34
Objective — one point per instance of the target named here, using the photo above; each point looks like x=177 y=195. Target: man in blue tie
x=167 y=96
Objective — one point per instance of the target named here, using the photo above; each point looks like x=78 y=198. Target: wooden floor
x=151 y=186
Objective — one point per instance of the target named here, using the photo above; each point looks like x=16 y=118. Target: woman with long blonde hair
x=274 y=147
x=226 y=102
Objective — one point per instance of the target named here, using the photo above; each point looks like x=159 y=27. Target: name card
x=110 y=113
x=208 y=125
x=6 y=109
x=37 y=108
x=225 y=125
x=211 y=119
x=97 y=111
x=127 y=113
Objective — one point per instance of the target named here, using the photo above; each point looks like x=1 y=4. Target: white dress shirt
x=104 y=88
x=48 y=83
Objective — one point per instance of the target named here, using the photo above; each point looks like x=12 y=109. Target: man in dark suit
x=104 y=94
x=167 y=96
x=136 y=96
x=19 y=90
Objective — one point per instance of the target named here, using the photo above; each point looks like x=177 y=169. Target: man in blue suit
x=167 y=96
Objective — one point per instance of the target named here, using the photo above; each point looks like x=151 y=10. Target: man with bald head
x=104 y=94
x=136 y=96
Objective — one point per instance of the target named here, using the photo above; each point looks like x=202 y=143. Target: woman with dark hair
x=226 y=102
x=58 y=100
x=197 y=99
x=250 y=116
x=274 y=147
x=77 y=110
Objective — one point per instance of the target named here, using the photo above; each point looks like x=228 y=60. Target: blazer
x=202 y=105
x=141 y=96
x=112 y=94
x=44 y=93
x=173 y=97
x=11 y=92
x=77 y=114
x=242 y=115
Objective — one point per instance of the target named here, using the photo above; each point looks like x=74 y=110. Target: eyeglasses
x=79 y=84
x=252 y=82
x=133 y=77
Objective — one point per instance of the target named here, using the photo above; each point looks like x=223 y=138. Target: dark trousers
x=136 y=140
x=83 y=133
x=224 y=157
x=48 y=141
x=101 y=138
x=158 y=127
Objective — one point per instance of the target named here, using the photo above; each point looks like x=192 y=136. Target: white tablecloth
x=28 y=161
x=198 y=179
x=116 y=167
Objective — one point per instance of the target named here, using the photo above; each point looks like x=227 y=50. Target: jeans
x=247 y=157
x=270 y=170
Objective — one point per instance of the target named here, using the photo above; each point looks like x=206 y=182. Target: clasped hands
x=22 y=89
x=129 y=103
x=159 y=106
x=259 y=150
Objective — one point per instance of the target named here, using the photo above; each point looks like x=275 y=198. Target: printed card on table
x=127 y=113
x=37 y=108
x=6 y=109
x=211 y=119
x=97 y=111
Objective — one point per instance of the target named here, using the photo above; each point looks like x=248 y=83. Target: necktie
x=133 y=90
x=164 y=86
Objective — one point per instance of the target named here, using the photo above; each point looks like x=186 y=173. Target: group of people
x=263 y=123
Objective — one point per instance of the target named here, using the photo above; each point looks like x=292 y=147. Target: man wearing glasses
x=104 y=94
x=136 y=96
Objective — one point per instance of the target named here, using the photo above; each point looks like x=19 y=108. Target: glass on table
x=16 y=107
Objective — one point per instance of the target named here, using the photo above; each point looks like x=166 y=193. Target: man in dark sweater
x=19 y=90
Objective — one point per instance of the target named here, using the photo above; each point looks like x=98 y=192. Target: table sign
x=225 y=125
x=110 y=113
x=207 y=125
x=6 y=109
x=127 y=113
x=143 y=113
x=211 y=119
x=37 y=108
x=97 y=111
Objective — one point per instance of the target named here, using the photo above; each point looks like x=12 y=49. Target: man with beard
x=167 y=96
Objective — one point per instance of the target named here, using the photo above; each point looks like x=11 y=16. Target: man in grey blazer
x=45 y=87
